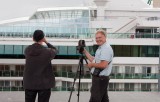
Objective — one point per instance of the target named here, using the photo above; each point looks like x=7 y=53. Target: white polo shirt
x=104 y=52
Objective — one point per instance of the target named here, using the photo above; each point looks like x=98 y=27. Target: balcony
x=85 y=35
x=86 y=75
x=133 y=76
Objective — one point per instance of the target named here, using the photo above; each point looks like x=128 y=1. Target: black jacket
x=38 y=73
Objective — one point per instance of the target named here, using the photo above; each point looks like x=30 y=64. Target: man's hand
x=44 y=40
x=90 y=65
x=88 y=55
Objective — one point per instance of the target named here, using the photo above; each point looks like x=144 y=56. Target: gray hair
x=103 y=32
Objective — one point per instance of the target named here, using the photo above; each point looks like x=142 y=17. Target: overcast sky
x=10 y=9
x=16 y=8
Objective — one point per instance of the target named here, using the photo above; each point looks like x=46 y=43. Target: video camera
x=81 y=45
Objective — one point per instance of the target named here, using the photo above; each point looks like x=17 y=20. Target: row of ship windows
x=119 y=50
x=19 y=49
x=131 y=69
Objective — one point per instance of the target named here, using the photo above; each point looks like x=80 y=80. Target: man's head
x=38 y=35
x=100 y=37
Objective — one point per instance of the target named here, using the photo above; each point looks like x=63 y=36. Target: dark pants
x=99 y=87
x=43 y=95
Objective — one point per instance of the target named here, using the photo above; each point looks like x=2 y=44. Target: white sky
x=10 y=9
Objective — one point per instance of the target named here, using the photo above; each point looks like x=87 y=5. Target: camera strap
x=109 y=62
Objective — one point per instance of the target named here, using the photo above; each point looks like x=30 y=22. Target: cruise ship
x=133 y=30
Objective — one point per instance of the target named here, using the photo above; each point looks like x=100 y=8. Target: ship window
x=1 y=49
x=8 y=49
x=7 y=67
x=129 y=87
x=115 y=69
x=153 y=18
x=63 y=50
x=129 y=70
x=1 y=67
x=145 y=87
x=24 y=47
x=71 y=50
x=1 y=83
x=146 y=70
x=18 y=49
x=7 y=83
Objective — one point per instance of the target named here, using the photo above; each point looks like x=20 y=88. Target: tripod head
x=81 y=45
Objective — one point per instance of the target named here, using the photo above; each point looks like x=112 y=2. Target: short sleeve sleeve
x=106 y=54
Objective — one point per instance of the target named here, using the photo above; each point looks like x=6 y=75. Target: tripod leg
x=80 y=68
x=79 y=84
x=74 y=82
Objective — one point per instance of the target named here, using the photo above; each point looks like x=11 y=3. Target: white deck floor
x=84 y=97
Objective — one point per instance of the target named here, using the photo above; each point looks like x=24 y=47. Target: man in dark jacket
x=38 y=74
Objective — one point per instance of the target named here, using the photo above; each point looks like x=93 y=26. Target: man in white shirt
x=101 y=66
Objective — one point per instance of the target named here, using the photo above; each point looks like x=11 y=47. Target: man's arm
x=88 y=55
x=50 y=46
x=103 y=64
x=105 y=59
x=53 y=51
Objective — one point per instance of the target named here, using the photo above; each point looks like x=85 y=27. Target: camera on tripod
x=81 y=45
x=80 y=69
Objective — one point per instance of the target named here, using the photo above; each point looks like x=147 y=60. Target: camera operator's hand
x=89 y=65
x=50 y=45
x=84 y=51
x=88 y=55
x=44 y=40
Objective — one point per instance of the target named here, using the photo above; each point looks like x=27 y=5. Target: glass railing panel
x=112 y=76
x=6 y=88
x=119 y=76
x=6 y=73
x=128 y=76
x=20 y=73
x=20 y=89
x=11 y=73
x=64 y=74
x=57 y=74
x=86 y=75
x=14 y=89
x=56 y=89
x=14 y=73
x=149 y=76
x=71 y=75
x=137 y=76
x=63 y=89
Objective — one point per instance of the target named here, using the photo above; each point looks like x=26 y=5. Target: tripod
x=81 y=72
